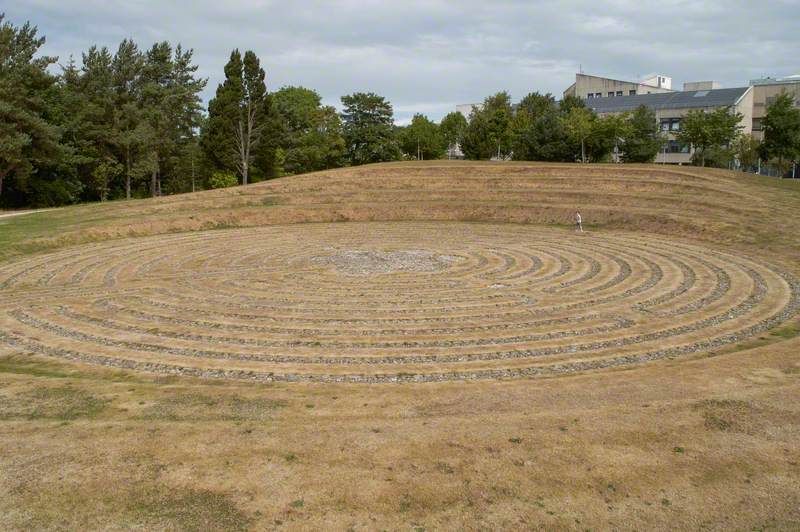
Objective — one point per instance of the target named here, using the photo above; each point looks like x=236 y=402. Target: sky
x=427 y=56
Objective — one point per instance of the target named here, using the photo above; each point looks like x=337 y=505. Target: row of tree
x=115 y=126
x=542 y=129
x=131 y=123
x=718 y=141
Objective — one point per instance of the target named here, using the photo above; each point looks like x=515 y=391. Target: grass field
x=452 y=356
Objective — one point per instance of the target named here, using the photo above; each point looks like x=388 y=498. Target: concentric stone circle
x=387 y=302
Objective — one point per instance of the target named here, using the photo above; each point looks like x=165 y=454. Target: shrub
x=223 y=180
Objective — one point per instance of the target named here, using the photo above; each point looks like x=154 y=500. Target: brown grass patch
x=190 y=406
x=685 y=444
x=64 y=403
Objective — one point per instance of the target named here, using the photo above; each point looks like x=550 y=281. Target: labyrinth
x=387 y=302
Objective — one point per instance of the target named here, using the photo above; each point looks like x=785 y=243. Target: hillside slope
x=717 y=206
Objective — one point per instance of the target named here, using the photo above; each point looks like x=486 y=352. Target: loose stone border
x=485 y=301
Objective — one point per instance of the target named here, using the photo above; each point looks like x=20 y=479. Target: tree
x=188 y=167
x=477 y=143
x=90 y=125
x=579 y=124
x=489 y=131
x=104 y=173
x=709 y=130
x=368 y=129
x=746 y=149
x=129 y=131
x=170 y=109
x=89 y=132
x=452 y=128
x=238 y=117
x=535 y=104
x=28 y=139
x=311 y=133
x=186 y=119
x=569 y=103
x=781 y=131
x=422 y=139
x=606 y=137
x=538 y=132
x=153 y=103
x=247 y=132
x=641 y=140
x=217 y=136
x=222 y=179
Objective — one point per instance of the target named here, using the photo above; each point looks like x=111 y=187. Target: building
x=609 y=96
x=764 y=93
x=588 y=86
x=467 y=108
x=701 y=85
x=671 y=107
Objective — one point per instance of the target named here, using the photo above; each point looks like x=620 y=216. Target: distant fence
x=764 y=169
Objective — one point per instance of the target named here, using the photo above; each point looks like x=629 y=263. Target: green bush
x=223 y=180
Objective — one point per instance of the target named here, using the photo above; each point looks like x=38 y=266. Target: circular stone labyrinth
x=386 y=302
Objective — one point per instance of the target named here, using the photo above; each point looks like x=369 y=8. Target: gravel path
x=21 y=213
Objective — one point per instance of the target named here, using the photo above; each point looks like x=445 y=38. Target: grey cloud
x=428 y=55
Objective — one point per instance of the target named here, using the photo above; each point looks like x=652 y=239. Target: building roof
x=774 y=81
x=668 y=100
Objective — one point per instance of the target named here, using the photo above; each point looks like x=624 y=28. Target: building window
x=756 y=124
x=670 y=124
x=673 y=146
x=591 y=95
x=632 y=92
x=598 y=95
x=611 y=93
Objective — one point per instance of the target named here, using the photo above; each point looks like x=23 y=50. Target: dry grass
x=701 y=442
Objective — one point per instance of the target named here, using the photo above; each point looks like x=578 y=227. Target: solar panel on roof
x=669 y=100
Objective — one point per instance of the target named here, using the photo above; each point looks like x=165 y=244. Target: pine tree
x=238 y=133
x=27 y=137
x=170 y=108
x=128 y=129
x=223 y=109
x=97 y=121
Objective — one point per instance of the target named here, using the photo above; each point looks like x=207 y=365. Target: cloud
x=427 y=55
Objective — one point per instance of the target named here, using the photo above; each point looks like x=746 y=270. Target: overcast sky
x=427 y=56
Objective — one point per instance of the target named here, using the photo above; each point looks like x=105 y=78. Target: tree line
x=539 y=128
x=114 y=126
x=131 y=124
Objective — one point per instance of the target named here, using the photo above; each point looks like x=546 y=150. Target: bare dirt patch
x=372 y=262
